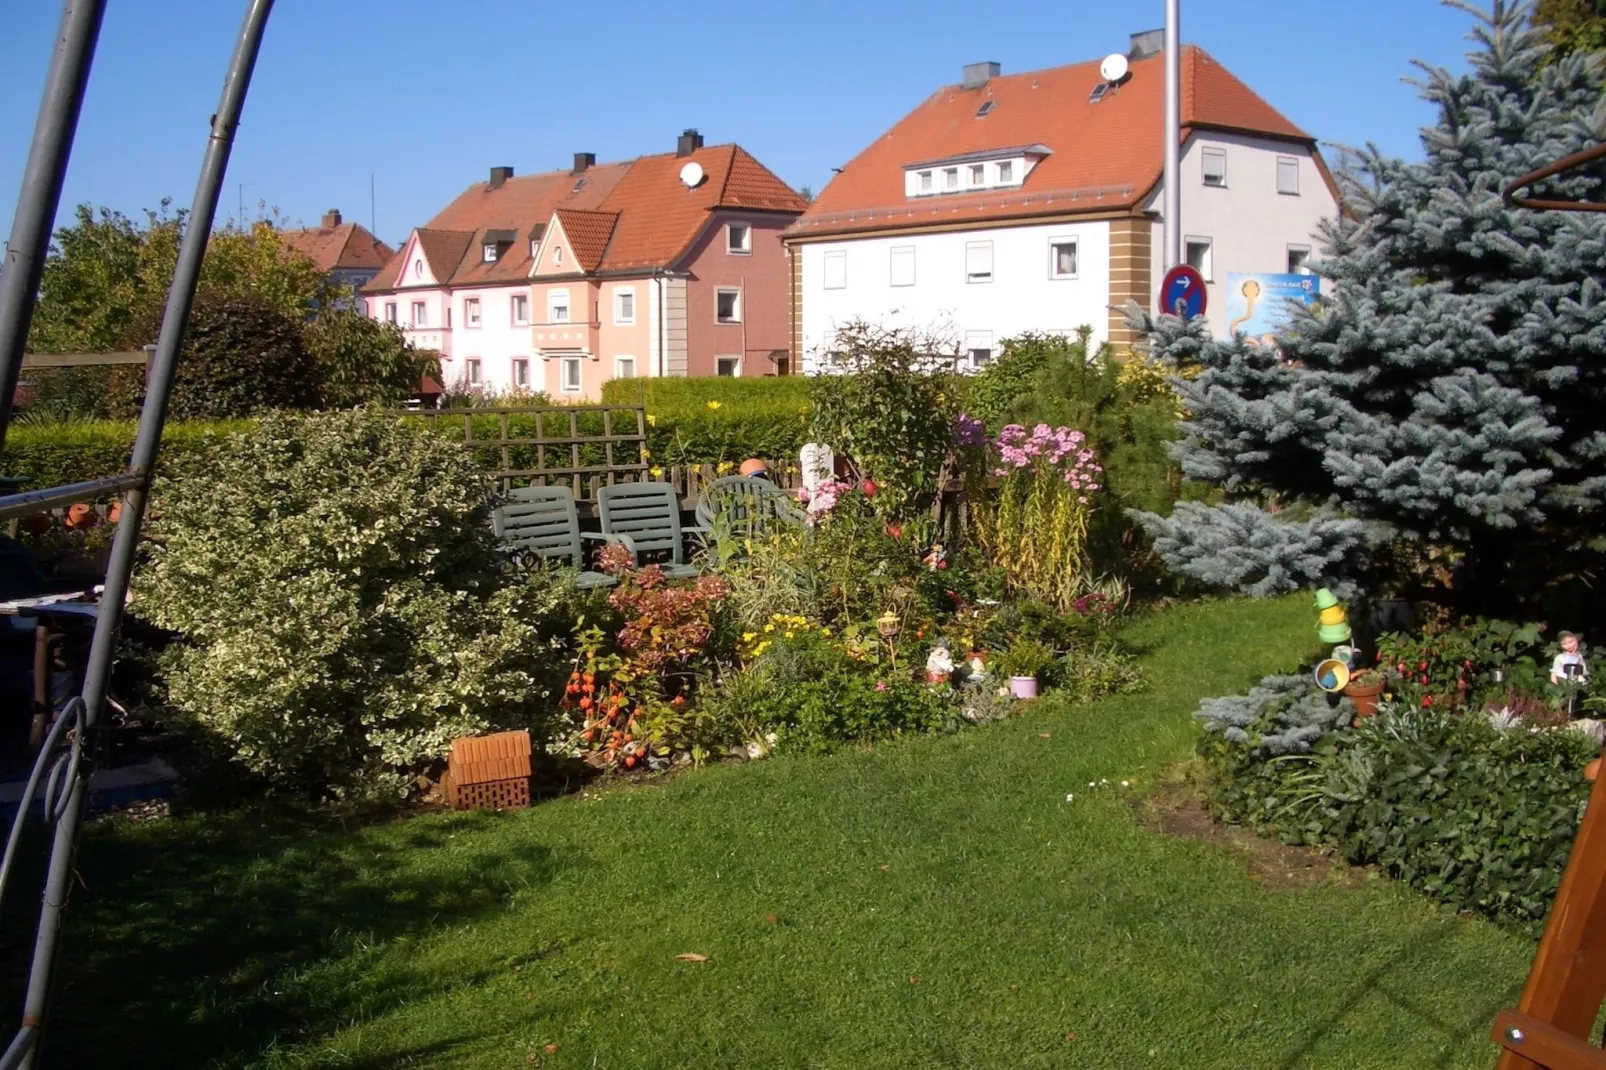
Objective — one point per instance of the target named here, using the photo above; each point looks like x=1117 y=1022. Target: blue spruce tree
x=1448 y=394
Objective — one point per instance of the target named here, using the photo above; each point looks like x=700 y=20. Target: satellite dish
x=692 y=174
x=1114 y=67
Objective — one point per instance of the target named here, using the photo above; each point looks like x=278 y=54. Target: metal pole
x=41 y=187
x=1172 y=208
x=203 y=213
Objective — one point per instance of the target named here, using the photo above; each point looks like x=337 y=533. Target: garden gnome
x=978 y=665
x=755 y=468
x=1569 y=666
x=939 y=664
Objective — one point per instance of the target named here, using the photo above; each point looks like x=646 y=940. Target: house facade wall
x=762 y=277
x=496 y=343
x=1023 y=294
x=1250 y=225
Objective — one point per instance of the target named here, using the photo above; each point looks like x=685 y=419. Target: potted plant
x=1023 y=661
x=1363 y=690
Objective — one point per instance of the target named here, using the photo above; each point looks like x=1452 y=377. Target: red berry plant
x=635 y=703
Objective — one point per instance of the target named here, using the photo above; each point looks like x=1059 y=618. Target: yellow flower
x=724 y=466
x=714 y=404
x=645 y=453
x=789 y=635
x=826 y=632
x=769 y=627
x=652 y=419
x=655 y=471
x=748 y=637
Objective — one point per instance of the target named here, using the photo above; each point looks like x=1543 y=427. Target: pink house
x=667 y=265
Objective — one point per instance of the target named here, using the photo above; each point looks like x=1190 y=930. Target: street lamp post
x=1171 y=209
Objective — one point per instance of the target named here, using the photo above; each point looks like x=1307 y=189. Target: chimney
x=331 y=219
x=688 y=142
x=500 y=175
x=977 y=74
x=1147 y=43
x=583 y=160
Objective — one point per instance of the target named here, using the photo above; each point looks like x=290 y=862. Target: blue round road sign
x=1182 y=293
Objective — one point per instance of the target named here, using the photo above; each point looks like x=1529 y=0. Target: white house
x=1031 y=202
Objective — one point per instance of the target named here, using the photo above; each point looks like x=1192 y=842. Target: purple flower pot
x=1023 y=686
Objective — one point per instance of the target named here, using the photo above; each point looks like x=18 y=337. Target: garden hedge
x=694 y=421
x=709 y=420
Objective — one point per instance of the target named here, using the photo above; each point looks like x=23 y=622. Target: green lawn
x=934 y=902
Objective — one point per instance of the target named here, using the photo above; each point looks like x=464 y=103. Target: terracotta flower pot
x=80 y=515
x=1364 y=697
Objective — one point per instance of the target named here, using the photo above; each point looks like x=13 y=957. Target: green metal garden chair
x=544 y=521
x=743 y=504
x=648 y=516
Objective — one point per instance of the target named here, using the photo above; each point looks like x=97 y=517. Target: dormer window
x=1006 y=167
x=950 y=178
x=925 y=182
x=490 y=254
x=978 y=174
x=535 y=249
x=1006 y=172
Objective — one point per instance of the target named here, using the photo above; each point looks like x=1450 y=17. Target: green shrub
x=361 y=361
x=1479 y=818
x=341 y=609
x=718 y=420
x=242 y=354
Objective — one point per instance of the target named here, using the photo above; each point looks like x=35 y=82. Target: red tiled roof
x=349 y=245
x=1104 y=155
x=521 y=204
x=628 y=216
x=660 y=217
x=588 y=234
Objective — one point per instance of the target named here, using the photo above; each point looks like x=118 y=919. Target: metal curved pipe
x=1566 y=163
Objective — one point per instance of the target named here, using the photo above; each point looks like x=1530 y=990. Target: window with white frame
x=1298 y=255
x=624 y=367
x=471 y=312
x=728 y=367
x=925 y=182
x=978 y=174
x=535 y=249
x=569 y=375
x=1215 y=166
x=557 y=306
x=728 y=306
x=738 y=238
x=1288 y=175
x=624 y=305
x=1197 y=251
x=950 y=178
x=390 y=312
x=420 y=314
x=1006 y=172
x=1062 y=258
x=978 y=348
x=978 y=261
x=471 y=371
x=836 y=270
x=521 y=310
x=488 y=253
x=901 y=265
x=521 y=372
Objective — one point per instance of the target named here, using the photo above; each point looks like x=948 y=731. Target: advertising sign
x=1258 y=304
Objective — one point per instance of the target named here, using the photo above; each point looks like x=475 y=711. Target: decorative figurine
x=939 y=664
x=978 y=664
x=1569 y=665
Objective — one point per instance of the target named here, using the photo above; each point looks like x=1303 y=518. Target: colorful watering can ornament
x=1332 y=675
x=1333 y=623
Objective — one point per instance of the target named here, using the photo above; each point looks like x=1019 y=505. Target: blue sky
x=426 y=96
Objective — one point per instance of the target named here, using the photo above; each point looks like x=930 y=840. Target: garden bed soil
x=1178 y=809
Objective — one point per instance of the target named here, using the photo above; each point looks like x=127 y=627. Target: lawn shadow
x=188 y=942
x=1374 y=984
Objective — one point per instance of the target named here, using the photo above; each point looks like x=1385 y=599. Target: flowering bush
x=1035 y=529
x=822 y=499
